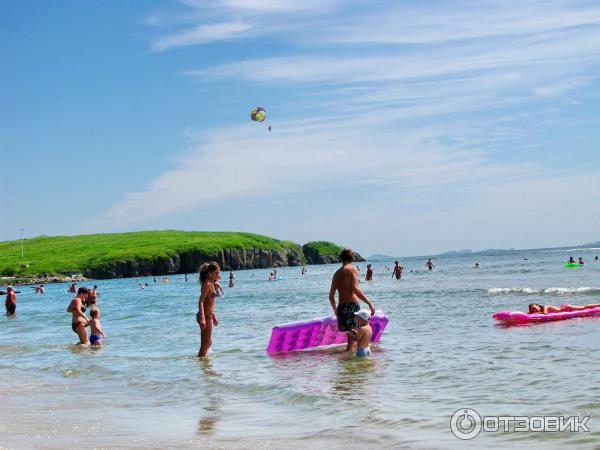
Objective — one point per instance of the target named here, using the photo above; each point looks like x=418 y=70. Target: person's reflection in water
x=208 y=422
x=354 y=376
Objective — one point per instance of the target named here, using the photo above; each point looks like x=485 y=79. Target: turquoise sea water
x=441 y=352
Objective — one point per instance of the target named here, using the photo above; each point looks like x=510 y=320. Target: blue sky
x=398 y=127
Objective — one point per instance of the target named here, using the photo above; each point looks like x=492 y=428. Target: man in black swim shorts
x=345 y=282
x=346 y=319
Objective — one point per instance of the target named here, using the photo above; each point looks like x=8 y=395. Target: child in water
x=363 y=334
x=95 y=328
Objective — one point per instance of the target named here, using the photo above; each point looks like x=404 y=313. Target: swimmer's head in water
x=535 y=308
x=207 y=269
x=346 y=255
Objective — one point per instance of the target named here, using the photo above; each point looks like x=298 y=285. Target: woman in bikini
x=536 y=308
x=209 y=274
x=79 y=321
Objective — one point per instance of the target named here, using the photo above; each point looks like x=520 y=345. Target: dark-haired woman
x=536 y=308
x=209 y=274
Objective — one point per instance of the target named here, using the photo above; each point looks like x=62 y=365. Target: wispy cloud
x=247 y=162
x=261 y=6
x=203 y=34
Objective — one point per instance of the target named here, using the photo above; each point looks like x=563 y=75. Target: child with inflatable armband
x=362 y=335
x=96 y=332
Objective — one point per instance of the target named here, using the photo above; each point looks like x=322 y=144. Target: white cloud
x=249 y=162
x=261 y=6
x=203 y=34
x=427 y=24
x=561 y=87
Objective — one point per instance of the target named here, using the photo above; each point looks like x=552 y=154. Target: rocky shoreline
x=13 y=281
x=188 y=262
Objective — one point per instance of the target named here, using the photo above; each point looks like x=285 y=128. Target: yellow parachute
x=258 y=114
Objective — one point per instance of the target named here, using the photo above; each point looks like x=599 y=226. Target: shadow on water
x=320 y=351
x=79 y=349
x=212 y=410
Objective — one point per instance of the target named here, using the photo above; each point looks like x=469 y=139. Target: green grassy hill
x=324 y=252
x=59 y=255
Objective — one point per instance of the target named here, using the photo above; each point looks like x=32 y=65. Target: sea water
x=441 y=352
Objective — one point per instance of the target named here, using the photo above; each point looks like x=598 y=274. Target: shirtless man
x=429 y=264
x=79 y=320
x=397 y=270
x=369 y=276
x=345 y=282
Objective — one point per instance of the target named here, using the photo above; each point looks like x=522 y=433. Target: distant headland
x=122 y=255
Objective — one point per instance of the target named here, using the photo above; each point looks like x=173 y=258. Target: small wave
x=548 y=291
x=493 y=291
x=579 y=290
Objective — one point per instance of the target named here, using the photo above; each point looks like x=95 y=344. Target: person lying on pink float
x=536 y=308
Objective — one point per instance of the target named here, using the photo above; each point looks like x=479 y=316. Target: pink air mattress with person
x=519 y=318
x=290 y=337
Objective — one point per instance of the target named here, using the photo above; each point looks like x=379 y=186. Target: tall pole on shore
x=22 y=251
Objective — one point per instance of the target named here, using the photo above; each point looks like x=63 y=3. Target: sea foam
x=548 y=291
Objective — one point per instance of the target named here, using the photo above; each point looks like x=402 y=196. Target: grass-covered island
x=324 y=252
x=144 y=253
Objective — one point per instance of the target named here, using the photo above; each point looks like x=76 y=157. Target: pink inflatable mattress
x=316 y=333
x=517 y=317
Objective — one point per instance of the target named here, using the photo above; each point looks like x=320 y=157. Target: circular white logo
x=465 y=423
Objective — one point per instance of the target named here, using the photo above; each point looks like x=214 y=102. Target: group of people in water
x=79 y=321
x=580 y=262
x=351 y=319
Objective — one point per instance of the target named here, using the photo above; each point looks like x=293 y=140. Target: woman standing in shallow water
x=209 y=274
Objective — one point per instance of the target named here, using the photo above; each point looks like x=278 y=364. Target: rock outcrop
x=189 y=261
x=316 y=255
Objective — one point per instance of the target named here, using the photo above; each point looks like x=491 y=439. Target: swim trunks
x=362 y=352
x=345 y=316
x=11 y=308
x=94 y=339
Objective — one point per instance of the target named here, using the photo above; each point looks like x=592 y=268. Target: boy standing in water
x=96 y=332
x=345 y=282
x=362 y=335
